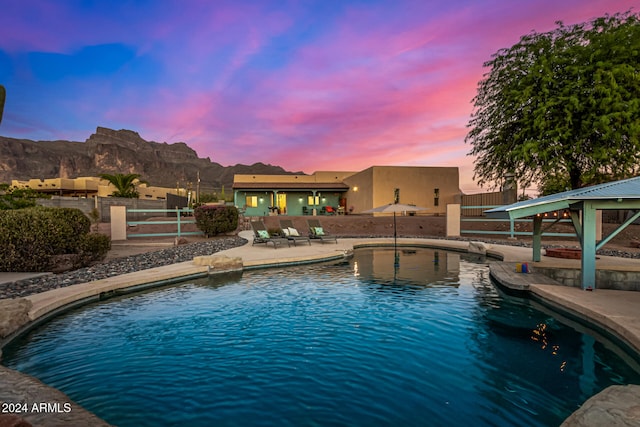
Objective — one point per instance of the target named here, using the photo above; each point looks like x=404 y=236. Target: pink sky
x=317 y=85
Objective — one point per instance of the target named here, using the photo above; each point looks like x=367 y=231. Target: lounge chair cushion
x=286 y=232
x=264 y=234
x=293 y=232
x=318 y=231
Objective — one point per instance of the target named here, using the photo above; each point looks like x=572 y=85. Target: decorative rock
x=14 y=313
x=477 y=248
x=219 y=262
x=180 y=241
x=614 y=406
x=65 y=262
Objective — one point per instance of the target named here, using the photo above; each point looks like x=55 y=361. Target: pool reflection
x=407 y=266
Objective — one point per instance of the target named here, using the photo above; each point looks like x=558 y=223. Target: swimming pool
x=426 y=340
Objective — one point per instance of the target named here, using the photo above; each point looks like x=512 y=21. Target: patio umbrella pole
x=395 y=233
x=396 y=258
x=395 y=207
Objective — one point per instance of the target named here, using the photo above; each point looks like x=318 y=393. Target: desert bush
x=213 y=220
x=31 y=237
x=94 y=247
x=23 y=246
x=18 y=198
x=69 y=226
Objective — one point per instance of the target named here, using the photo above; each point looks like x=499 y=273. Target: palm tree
x=125 y=184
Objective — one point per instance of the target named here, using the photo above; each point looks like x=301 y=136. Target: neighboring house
x=92 y=186
x=347 y=192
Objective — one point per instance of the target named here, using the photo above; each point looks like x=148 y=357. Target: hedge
x=31 y=238
x=216 y=219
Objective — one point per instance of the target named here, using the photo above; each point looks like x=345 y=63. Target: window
x=313 y=201
x=436 y=197
x=252 y=201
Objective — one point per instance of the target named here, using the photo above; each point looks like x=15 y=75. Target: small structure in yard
x=581 y=206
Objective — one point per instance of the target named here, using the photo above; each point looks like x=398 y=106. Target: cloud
x=308 y=86
x=378 y=104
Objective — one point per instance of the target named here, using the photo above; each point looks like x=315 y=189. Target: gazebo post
x=537 y=237
x=588 y=243
x=623 y=194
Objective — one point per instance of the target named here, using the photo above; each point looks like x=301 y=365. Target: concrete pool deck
x=614 y=311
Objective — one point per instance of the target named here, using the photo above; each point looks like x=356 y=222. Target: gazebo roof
x=582 y=204
x=624 y=194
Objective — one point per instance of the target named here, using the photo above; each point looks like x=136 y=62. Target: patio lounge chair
x=291 y=233
x=261 y=235
x=317 y=232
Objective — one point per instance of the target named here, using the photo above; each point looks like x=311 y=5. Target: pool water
x=421 y=339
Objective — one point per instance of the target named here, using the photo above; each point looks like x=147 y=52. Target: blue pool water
x=428 y=342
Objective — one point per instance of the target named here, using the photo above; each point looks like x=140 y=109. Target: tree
x=18 y=198
x=125 y=184
x=562 y=106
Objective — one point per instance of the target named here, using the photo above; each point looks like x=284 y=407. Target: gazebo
x=582 y=205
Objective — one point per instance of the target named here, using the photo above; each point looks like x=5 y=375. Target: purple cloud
x=320 y=85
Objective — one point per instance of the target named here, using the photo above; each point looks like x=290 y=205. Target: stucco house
x=91 y=186
x=342 y=192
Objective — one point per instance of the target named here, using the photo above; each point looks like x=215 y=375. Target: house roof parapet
x=336 y=186
x=623 y=194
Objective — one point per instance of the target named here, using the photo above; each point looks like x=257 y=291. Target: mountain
x=119 y=151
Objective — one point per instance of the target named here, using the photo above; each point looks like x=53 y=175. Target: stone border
x=615 y=405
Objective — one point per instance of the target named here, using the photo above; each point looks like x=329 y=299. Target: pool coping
x=626 y=326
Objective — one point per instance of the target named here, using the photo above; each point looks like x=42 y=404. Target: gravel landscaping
x=118 y=266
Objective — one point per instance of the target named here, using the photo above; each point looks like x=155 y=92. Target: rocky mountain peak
x=117 y=151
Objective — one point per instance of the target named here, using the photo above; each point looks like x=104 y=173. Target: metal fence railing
x=512 y=224
x=182 y=217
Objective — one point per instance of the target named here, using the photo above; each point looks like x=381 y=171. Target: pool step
x=505 y=274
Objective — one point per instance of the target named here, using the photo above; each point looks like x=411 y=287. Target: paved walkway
x=616 y=311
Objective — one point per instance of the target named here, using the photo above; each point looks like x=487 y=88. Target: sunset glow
x=314 y=85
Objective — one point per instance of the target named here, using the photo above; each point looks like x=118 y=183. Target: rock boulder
x=14 y=313
x=614 y=406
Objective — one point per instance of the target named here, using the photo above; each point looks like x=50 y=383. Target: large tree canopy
x=561 y=108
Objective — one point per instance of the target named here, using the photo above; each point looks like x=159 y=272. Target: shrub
x=30 y=238
x=23 y=244
x=213 y=220
x=18 y=198
x=94 y=247
x=69 y=226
